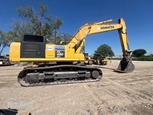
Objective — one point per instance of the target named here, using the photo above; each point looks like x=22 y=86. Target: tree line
x=137 y=54
x=140 y=55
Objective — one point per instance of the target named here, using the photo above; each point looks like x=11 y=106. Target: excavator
x=64 y=64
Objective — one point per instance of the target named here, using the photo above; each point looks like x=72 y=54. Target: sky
x=138 y=15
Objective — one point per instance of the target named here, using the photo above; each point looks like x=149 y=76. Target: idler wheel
x=95 y=74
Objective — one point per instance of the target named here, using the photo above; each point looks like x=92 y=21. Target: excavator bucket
x=125 y=66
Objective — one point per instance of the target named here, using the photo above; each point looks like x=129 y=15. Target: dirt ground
x=115 y=94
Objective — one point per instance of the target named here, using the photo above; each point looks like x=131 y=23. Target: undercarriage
x=58 y=74
x=66 y=73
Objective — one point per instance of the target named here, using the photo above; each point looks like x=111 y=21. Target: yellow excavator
x=68 y=66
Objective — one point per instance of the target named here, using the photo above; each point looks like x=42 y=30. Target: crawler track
x=59 y=74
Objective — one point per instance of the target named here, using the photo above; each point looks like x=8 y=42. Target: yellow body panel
x=70 y=56
x=50 y=51
x=49 y=60
x=14 y=52
x=69 y=53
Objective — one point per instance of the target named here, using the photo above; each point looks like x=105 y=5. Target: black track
x=73 y=74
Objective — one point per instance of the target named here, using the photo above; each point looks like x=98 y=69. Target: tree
x=67 y=37
x=19 y=29
x=4 y=40
x=139 y=52
x=105 y=50
x=35 y=22
x=60 y=37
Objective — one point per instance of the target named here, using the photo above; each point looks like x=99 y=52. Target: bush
x=146 y=58
x=143 y=59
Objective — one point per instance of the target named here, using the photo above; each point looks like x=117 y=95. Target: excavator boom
x=100 y=27
x=126 y=64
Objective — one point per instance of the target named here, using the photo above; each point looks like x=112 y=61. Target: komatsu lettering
x=107 y=27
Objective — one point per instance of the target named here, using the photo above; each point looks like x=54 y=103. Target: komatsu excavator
x=68 y=59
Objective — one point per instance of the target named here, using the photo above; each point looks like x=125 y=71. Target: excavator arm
x=105 y=26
